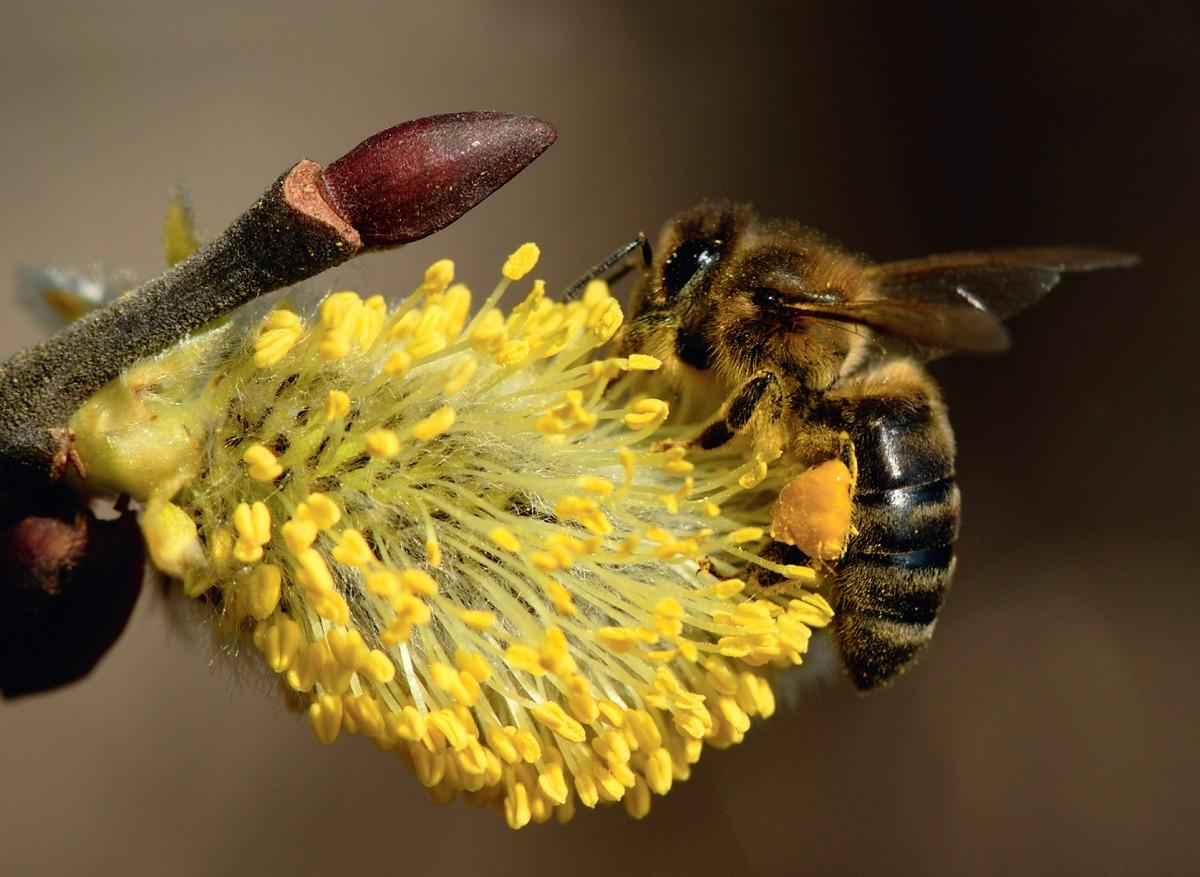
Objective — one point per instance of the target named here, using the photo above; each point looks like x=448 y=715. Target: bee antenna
x=605 y=265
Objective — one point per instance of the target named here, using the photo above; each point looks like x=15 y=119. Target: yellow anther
x=383 y=583
x=555 y=718
x=585 y=788
x=553 y=783
x=645 y=412
x=429 y=767
x=397 y=364
x=262 y=590
x=364 y=713
x=619 y=639
x=435 y=424
x=490 y=332
x=645 y=731
x=428 y=345
x=352 y=549
x=520 y=656
x=504 y=537
x=281 y=330
x=253 y=525
x=710 y=509
x=378 y=667
x=298 y=534
x=338 y=307
x=516 y=805
x=433 y=552
x=544 y=561
x=337 y=405
x=668 y=617
x=811 y=609
x=313 y=575
x=800 y=574
x=501 y=741
x=611 y=713
x=325 y=717
x=461 y=686
x=564 y=603
x=583 y=706
x=594 y=484
x=321 y=510
x=473 y=760
x=586 y=511
x=382 y=444
x=604 y=319
x=172 y=539
x=478 y=619
x=658 y=771
x=410 y=611
x=460 y=375
x=627 y=463
x=513 y=352
x=370 y=321
x=528 y=746
x=754 y=476
x=458 y=306
x=608 y=785
x=261 y=463
x=728 y=588
x=473 y=663
x=521 y=262
x=433 y=322
x=595 y=291
x=418 y=582
x=641 y=362
x=556 y=653
x=603 y=370
x=347 y=647
x=678 y=467
x=340 y=322
x=733 y=714
x=405 y=325
x=745 y=534
x=279 y=643
x=407 y=724
x=612 y=747
x=438 y=276
x=637 y=799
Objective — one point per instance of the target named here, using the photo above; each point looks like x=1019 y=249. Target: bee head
x=730 y=292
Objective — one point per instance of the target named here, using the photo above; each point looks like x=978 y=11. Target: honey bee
x=820 y=354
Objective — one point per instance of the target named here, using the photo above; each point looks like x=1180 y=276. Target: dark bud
x=411 y=180
x=68 y=583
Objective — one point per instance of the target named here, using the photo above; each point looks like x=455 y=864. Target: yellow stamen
x=521 y=262
x=261 y=463
x=435 y=424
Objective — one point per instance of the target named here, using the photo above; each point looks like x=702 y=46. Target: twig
x=398 y=186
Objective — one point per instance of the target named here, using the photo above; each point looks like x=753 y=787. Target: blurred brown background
x=1053 y=725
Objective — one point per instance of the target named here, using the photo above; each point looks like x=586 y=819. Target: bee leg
x=767 y=582
x=847 y=455
x=740 y=410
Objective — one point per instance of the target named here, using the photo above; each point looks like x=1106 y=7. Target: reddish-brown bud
x=68 y=582
x=411 y=180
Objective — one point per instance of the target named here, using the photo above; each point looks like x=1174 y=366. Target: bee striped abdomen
x=891 y=581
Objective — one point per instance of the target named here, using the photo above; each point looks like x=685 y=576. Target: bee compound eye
x=766 y=298
x=689 y=258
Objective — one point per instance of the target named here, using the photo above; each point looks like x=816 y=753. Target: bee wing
x=1002 y=282
x=928 y=328
x=953 y=290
